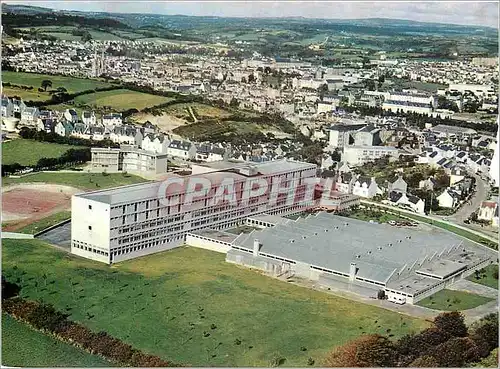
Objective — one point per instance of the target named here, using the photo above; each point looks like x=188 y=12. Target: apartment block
x=128 y=158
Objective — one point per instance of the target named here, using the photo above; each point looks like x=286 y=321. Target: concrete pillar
x=352 y=272
x=256 y=247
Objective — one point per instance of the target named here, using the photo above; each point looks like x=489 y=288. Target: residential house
x=71 y=116
x=46 y=125
x=30 y=115
x=406 y=201
x=182 y=149
x=7 y=108
x=427 y=184
x=19 y=106
x=126 y=134
x=488 y=211
x=63 y=128
x=448 y=199
x=89 y=118
x=457 y=175
x=344 y=182
x=156 y=143
x=97 y=133
x=209 y=153
x=79 y=131
x=149 y=127
x=399 y=185
x=112 y=120
x=365 y=187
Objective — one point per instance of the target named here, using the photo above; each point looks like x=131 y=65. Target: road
x=480 y=194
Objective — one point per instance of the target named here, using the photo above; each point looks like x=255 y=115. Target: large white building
x=478 y=90
x=131 y=221
x=356 y=155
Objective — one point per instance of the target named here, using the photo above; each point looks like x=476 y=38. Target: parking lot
x=60 y=236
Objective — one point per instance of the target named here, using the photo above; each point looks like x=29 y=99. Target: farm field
x=26 y=95
x=449 y=300
x=81 y=180
x=23 y=346
x=487 y=278
x=70 y=83
x=28 y=152
x=200 y=110
x=189 y=306
x=120 y=100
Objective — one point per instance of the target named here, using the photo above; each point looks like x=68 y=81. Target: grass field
x=449 y=300
x=84 y=181
x=189 y=306
x=28 y=152
x=24 y=347
x=26 y=95
x=70 y=83
x=200 y=110
x=377 y=216
x=487 y=277
x=120 y=100
x=45 y=223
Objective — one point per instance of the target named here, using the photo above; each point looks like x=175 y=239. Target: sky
x=482 y=13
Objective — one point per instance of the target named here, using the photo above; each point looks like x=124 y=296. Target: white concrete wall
x=194 y=241
x=98 y=218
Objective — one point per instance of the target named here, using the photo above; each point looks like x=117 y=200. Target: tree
x=456 y=352
x=251 y=78
x=370 y=84
x=46 y=83
x=234 y=103
x=86 y=36
x=424 y=362
x=336 y=156
x=452 y=323
x=485 y=334
x=9 y=289
x=381 y=295
x=365 y=351
x=489 y=362
x=411 y=346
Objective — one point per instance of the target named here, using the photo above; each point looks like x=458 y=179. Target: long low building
x=131 y=221
x=334 y=251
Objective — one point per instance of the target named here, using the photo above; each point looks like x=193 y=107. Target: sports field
x=28 y=152
x=120 y=100
x=81 y=180
x=189 y=306
x=70 y=83
x=24 y=347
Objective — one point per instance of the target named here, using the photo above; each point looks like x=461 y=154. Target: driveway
x=480 y=195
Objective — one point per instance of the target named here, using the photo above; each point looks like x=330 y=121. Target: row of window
x=329 y=271
x=276 y=258
x=89 y=249
x=210 y=239
x=147 y=244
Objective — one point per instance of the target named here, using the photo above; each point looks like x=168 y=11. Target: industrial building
x=350 y=254
x=131 y=221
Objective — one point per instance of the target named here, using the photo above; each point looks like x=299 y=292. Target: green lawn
x=23 y=346
x=28 y=152
x=70 y=83
x=121 y=99
x=189 y=306
x=449 y=300
x=376 y=216
x=26 y=95
x=85 y=181
x=487 y=276
x=45 y=223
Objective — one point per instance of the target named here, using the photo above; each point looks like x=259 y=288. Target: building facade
x=128 y=158
x=127 y=222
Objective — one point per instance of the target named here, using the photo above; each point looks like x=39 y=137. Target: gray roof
x=333 y=242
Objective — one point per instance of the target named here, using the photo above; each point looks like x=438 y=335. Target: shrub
x=276 y=361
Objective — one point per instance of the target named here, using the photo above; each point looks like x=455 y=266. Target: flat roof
x=215 y=234
x=273 y=219
x=333 y=242
x=143 y=191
